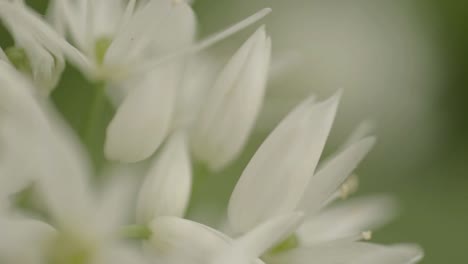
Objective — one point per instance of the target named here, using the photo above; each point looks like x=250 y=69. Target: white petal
x=205 y=43
x=266 y=235
x=277 y=176
x=60 y=167
x=364 y=129
x=347 y=219
x=122 y=254
x=107 y=16
x=329 y=253
x=115 y=202
x=166 y=189
x=172 y=27
x=229 y=113
x=47 y=65
x=23 y=240
x=176 y=240
x=142 y=121
x=332 y=174
x=27 y=19
x=200 y=71
x=395 y=254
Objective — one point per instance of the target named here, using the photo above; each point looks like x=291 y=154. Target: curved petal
x=329 y=253
x=233 y=103
x=173 y=25
x=176 y=240
x=277 y=176
x=143 y=119
x=395 y=254
x=166 y=189
x=332 y=174
x=268 y=234
x=347 y=219
x=363 y=129
x=23 y=240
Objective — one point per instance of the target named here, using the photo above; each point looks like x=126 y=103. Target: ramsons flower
x=79 y=225
x=76 y=225
x=143 y=68
x=283 y=177
x=55 y=208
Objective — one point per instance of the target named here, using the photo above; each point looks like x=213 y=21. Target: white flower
x=178 y=240
x=113 y=43
x=232 y=105
x=277 y=176
x=84 y=228
x=161 y=205
x=282 y=177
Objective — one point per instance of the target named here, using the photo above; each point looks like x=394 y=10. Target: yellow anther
x=367 y=235
x=349 y=186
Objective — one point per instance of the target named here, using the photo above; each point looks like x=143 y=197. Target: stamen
x=349 y=186
x=366 y=235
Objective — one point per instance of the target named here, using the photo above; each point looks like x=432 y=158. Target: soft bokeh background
x=403 y=64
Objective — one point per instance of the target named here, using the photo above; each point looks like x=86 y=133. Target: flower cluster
x=170 y=110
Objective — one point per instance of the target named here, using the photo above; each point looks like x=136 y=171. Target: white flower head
x=281 y=209
x=111 y=42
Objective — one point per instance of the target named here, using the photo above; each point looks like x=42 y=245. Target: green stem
x=137 y=232
x=92 y=125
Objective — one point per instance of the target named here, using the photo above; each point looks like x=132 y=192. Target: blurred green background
x=403 y=64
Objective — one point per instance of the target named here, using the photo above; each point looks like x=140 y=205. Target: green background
x=433 y=191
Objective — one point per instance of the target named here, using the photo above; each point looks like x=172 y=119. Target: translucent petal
x=277 y=176
x=178 y=240
x=23 y=240
x=327 y=253
x=143 y=119
x=400 y=254
x=350 y=217
x=332 y=174
x=232 y=105
x=173 y=25
x=266 y=235
x=166 y=189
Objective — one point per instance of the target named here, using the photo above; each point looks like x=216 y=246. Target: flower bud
x=166 y=189
x=233 y=103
